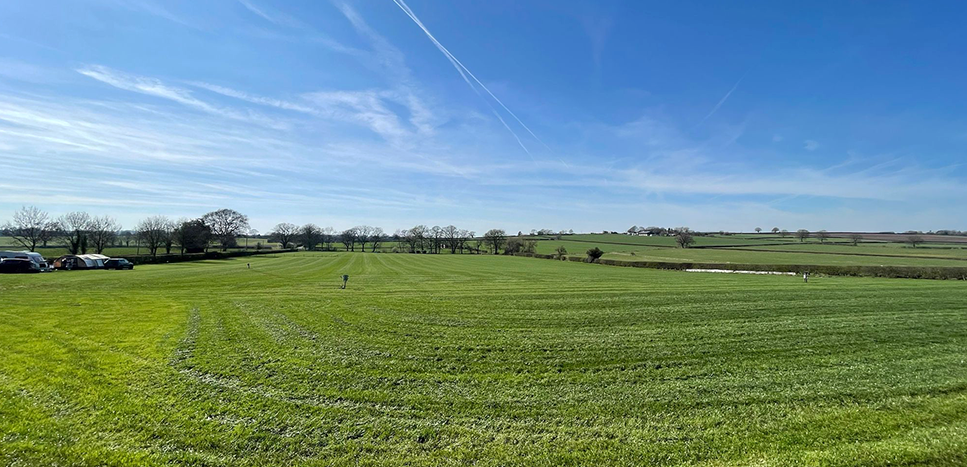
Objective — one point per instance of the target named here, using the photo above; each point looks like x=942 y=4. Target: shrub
x=684 y=239
x=594 y=254
x=517 y=246
x=561 y=252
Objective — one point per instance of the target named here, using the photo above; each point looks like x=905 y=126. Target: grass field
x=765 y=250
x=450 y=359
x=753 y=249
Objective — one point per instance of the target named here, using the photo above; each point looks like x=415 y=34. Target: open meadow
x=493 y=360
x=761 y=249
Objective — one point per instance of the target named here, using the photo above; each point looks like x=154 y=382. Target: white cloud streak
x=721 y=101
x=464 y=72
x=154 y=87
x=274 y=17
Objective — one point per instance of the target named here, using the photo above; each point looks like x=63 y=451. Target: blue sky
x=518 y=115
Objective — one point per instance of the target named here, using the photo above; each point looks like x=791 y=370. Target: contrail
x=722 y=101
x=464 y=72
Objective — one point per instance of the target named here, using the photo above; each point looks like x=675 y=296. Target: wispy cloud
x=154 y=9
x=155 y=87
x=465 y=72
x=721 y=101
x=810 y=145
x=274 y=17
x=254 y=99
x=365 y=107
x=369 y=108
x=138 y=157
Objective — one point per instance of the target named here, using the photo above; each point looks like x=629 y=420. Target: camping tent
x=92 y=261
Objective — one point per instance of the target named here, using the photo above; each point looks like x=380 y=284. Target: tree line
x=81 y=233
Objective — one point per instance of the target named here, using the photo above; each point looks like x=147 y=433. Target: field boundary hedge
x=904 y=272
x=148 y=259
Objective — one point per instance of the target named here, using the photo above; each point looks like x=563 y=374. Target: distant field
x=741 y=249
x=764 y=249
x=456 y=360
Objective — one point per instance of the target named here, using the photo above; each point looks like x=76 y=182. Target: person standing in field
x=805 y=277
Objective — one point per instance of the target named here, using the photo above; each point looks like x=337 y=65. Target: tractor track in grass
x=442 y=359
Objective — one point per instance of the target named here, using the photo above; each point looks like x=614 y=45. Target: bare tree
x=348 y=238
x=775 y=230
x=153 y=232
x=168 y=232
x=758 y=229
x=914 y=240
x=463 y=236
x=451 y=235
x=416 y=238
x=362 y=235
x=327 y=237
x=495 y=238
x=103 y=232
x=376 y=237
x=310 y=235
x=684 y=238
x=31 y=227
x=439 y=238
x=802 y=235
x=784 y=233
x=822 y=235
x=226 y=225
x=284 y=233
x=51 y=232
x=76 y=226
x=855 y=238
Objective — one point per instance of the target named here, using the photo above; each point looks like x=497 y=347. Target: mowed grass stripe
x=450 y=359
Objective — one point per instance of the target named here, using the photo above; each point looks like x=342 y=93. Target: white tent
x=91 y=261
x=94 y=260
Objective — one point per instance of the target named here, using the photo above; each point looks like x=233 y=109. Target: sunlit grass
x=450 y=359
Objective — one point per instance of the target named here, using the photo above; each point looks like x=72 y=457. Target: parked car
x=118 y=263
x=35 y=257
x=18 y=266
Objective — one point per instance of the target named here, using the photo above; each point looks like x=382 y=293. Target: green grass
x=881 y=248
x=449 y=359
x=743 y=251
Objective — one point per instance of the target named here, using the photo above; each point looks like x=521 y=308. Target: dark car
x=118 y=263
x=18 y=266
